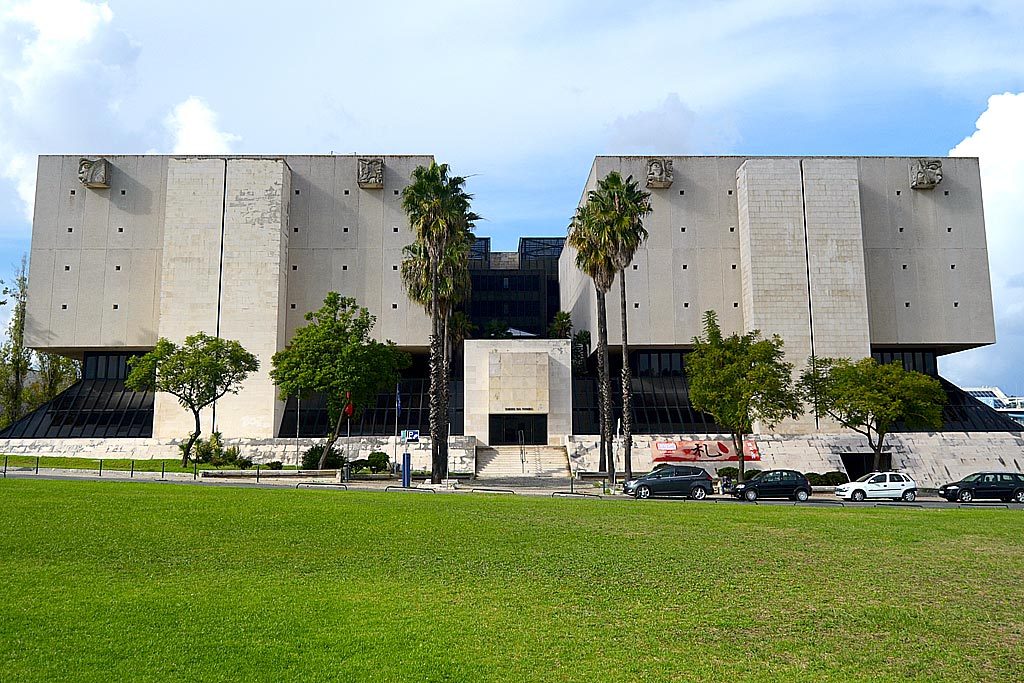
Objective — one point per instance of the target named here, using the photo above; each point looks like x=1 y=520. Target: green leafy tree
x=741 y=380
x=871 y=398
x=594 y=259
x=621 y=207
x=561 y=326
x=436 y=274
x=197 y=373
x=580 y=352
x=15 y=357
x=56 y=373
x=334 y=355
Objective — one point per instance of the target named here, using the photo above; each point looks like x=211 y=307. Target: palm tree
x=621 y=208
x=593 y=258
x=435 y=272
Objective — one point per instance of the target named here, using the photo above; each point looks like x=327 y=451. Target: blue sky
x=521 y=96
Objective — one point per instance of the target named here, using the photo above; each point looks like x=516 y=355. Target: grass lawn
x=123 y=465
x=120 y=581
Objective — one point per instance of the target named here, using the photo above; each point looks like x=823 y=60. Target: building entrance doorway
x=505 y=429
x=859 y=464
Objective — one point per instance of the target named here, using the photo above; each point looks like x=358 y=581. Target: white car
x=891 y=485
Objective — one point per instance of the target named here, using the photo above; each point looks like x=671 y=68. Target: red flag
x=349 y=408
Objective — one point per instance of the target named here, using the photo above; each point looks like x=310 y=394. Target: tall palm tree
x=593 y=258
x=435 y=272
x=621 y=207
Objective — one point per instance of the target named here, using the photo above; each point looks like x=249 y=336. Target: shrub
x=311 y=458
x=835 y=478
x=357 y=465
x=731 y=472
x=243 y=463
x=275 y=465
x=815 y=478
x=378 y=461
x=749 y=474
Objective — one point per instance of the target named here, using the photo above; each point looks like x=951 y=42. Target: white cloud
x=998 y=142
x=62 y=69
x=194 y=128
x=670 y=128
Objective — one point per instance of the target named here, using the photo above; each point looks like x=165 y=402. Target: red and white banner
x=702 y=451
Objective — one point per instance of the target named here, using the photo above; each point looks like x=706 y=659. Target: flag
x=349 y=408
x=398 y=401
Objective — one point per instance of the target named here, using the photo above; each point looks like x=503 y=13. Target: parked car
x=894 y=485
x=774 y=484
x=1004 y=486
x=671 y=480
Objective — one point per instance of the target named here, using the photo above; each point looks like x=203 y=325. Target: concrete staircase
x=506 y=462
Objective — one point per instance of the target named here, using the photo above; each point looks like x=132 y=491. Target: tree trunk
x=877 y=448
x=627 y=385
x=445 y=390
x=331 y=439
x=191 y=441
x=606 y=394
x=737 y=443
x=436 y=362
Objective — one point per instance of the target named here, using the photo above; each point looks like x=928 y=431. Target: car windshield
x=866 y=476
x=971 y=477
x=756 y=476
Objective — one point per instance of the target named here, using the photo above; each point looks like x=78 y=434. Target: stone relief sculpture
x=94 y=173
x=925 y=174
x=371 y=173
x=659 y=173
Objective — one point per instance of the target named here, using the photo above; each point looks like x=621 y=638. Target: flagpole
x=398 y=409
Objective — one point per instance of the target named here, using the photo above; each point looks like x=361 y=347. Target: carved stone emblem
x=925 y=174
x=371 y=173
x=659 y=173
x=94 y=173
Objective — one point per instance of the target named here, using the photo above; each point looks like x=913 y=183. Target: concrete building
x=841 y=256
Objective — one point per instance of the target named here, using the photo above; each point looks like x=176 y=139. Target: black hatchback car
x=1004 y=486
x=774 y=484
x=671 y=480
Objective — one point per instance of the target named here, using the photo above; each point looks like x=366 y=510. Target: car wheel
x=643 y=493
x=750 y=494
x=909 y=496
x=858 y=496
x=1018 y=496
x=965 y=496
x=699 y=493
x=801 y=495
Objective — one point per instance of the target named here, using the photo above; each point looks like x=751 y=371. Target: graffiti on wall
x=701 y=451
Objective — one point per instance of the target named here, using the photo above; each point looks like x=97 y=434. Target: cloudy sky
x=522 y=95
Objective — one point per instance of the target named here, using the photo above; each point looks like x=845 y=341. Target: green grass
x=123 y=465
x=118 y=581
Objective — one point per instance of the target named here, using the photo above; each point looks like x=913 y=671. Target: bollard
x=131 y=473
x=195 y=470
x=5 y=466
x=37 y=464
x=406 y=470
x=101 y=467
x=257 y=474
x=162 y=466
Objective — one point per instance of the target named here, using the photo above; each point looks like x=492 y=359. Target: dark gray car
x=671 y=480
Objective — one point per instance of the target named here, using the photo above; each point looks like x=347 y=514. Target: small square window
x=956 y=304
x=636 y=267
x=67 y=267
x=901 y=228
x=345 y=229
x=124 y=192
x=686 y=304
x=684 y=266
x=904 y=266
x=394 y=267
x=293 y=307
x=294 y=267
x=945 y=193
x=394 y=306
x=732 y=228
x=346 y=193
x=72 y=193
x=63 y=307
x=735 y=304
x=897 y=193
x=71 y=229
x=682 y=229
x=906 y=304
x=952 y=266
x=734 y=266
x=682 y=192
x=295 y=229
x=394 y=229
x=396 y=193
x=296 y=192
x=344 y=267
x=948 y=229
x=730 y=193
x=118 y=268
x=636 y=304
x=115 y=307
x=120 y=229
